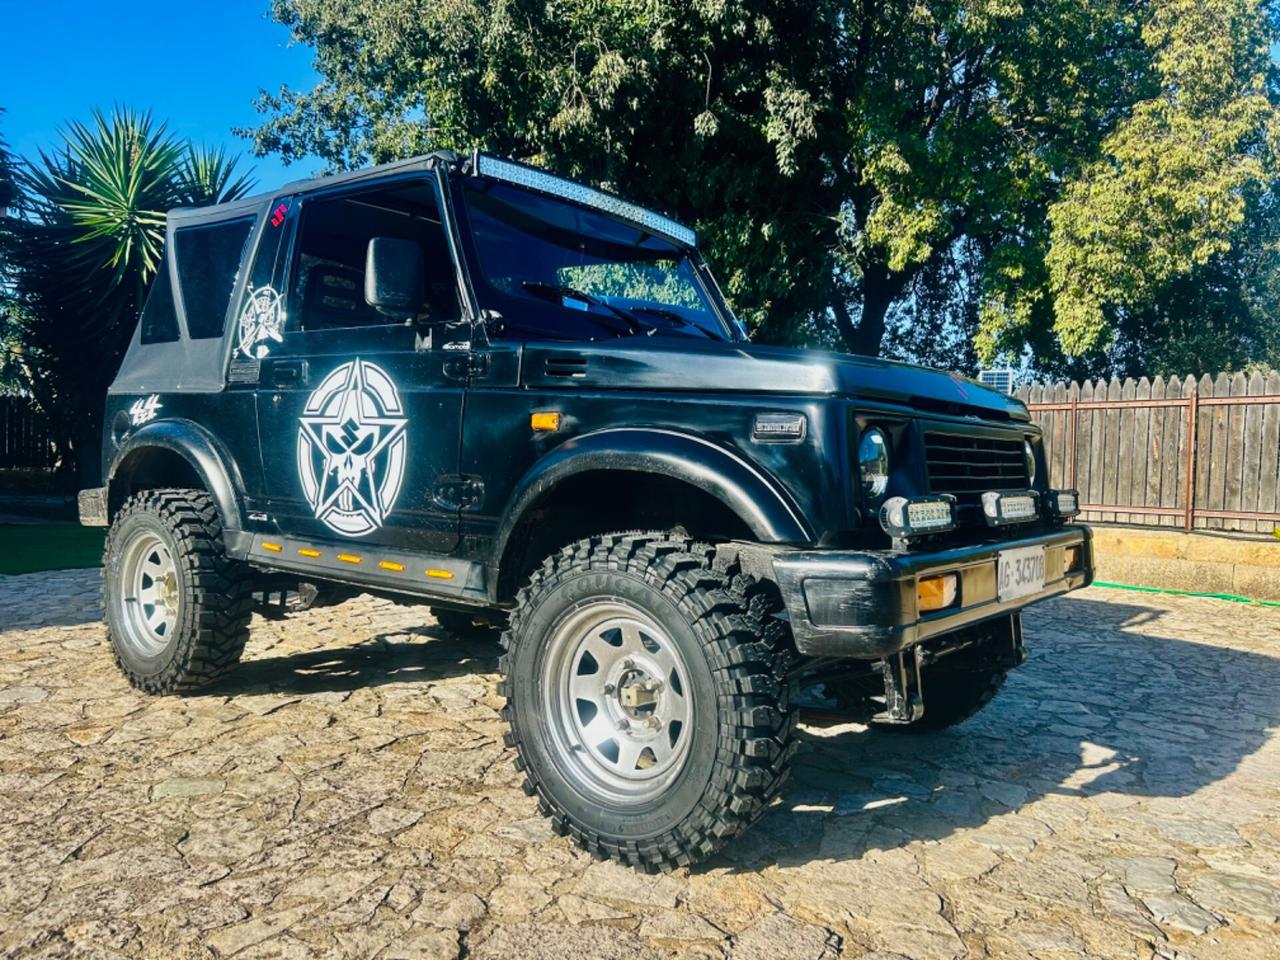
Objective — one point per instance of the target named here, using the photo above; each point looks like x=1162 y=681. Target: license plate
x=1019 y=573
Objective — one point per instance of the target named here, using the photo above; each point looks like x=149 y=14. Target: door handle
x=288 y=373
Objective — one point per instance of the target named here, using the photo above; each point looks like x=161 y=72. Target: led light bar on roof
x=534 y=179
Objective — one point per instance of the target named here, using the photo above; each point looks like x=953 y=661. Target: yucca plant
x=206 y=175
x=87 y=247
x=8 y=186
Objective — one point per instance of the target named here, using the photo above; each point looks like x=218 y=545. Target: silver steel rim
x=617 y=696
x=149 y=594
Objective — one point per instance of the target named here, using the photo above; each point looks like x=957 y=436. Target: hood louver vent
x=566 y=365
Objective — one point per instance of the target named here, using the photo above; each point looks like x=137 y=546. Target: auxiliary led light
x=543 y=182
x=1064 y=504
x=901 y=517
x=1005 y=508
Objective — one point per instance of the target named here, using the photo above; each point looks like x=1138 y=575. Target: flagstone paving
x=346 y=793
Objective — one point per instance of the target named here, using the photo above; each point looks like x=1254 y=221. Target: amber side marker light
x=308 y=552
x=349 y=558
x=391 y=565
x=435 y=574
x=273 y=547
x=545 y=421
x=936 y=593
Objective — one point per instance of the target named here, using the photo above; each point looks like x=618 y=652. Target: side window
x=159 y=319
x=208 y=261
x=327 y=285
x=259 y=318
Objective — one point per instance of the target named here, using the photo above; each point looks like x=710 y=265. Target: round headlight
x=1030 y=454
x=873 y=463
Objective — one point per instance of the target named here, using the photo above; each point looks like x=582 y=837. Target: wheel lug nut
x=624 y=724
x=609 y=688
x=629 y=663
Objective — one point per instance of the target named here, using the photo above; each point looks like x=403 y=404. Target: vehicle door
x=360 y=412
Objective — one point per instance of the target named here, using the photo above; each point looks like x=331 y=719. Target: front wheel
x=646 y=696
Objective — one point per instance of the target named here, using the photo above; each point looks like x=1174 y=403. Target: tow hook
x=903 y=689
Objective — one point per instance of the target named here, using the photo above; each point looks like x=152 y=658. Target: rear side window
x=208 y=261
x=159 y=320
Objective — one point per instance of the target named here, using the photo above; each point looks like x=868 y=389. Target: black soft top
x=199 y=365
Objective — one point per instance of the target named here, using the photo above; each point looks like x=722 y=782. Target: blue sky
x=196 y=63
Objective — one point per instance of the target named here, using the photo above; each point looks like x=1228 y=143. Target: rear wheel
x=177 y=608
x=646 y=695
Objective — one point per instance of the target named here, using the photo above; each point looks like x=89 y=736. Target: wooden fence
x=1179 y=453
x=24 y=435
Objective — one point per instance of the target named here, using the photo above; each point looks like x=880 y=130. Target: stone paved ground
x=347 y=795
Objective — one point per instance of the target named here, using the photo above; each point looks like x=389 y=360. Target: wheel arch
x=721 y=494
x=175 y=453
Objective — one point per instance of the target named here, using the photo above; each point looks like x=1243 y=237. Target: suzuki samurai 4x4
x=524 y=402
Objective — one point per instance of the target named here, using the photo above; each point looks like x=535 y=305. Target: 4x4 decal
x=144 y=410
x=352 y=448
x=261 y=322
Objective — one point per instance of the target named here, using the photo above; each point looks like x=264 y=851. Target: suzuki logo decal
x=352 y=448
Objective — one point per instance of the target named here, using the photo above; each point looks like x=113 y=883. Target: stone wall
x=1179 y=561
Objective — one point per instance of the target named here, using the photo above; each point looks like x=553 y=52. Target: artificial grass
x=28 y=548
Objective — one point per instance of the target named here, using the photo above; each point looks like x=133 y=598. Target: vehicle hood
x=698 y=366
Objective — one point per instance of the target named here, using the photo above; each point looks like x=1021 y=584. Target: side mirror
x=393 y=281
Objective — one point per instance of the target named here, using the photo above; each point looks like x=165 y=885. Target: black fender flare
x=758 y=501
x=201 y=451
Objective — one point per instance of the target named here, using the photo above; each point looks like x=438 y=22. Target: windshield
x=561 y=271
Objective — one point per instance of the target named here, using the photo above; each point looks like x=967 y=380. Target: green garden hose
x=1186 y=593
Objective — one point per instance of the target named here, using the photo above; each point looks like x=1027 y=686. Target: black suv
x=524 y=402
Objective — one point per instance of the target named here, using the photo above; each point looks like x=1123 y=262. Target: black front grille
x=969 y=466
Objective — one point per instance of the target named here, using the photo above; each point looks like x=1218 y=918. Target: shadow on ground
x=1097 y=709
x=386 y=658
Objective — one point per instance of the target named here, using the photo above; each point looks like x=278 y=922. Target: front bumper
x=878 y=605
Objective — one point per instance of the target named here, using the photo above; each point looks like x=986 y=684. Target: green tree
x=82 y=254
x=1147 y=252
x=836 y=154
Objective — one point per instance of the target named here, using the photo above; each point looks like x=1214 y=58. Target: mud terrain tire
x=720 y=661
x=177 y=607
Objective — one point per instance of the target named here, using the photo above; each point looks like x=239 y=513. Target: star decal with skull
x=351 y=448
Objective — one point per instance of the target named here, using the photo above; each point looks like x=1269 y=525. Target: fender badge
x=779 y=427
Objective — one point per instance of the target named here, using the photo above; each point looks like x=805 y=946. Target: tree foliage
x=83 y=250
x=1084 y=155
x=1153 y=240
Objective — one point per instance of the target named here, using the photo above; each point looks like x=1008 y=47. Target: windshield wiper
x=560 y=290
x=675 y=318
